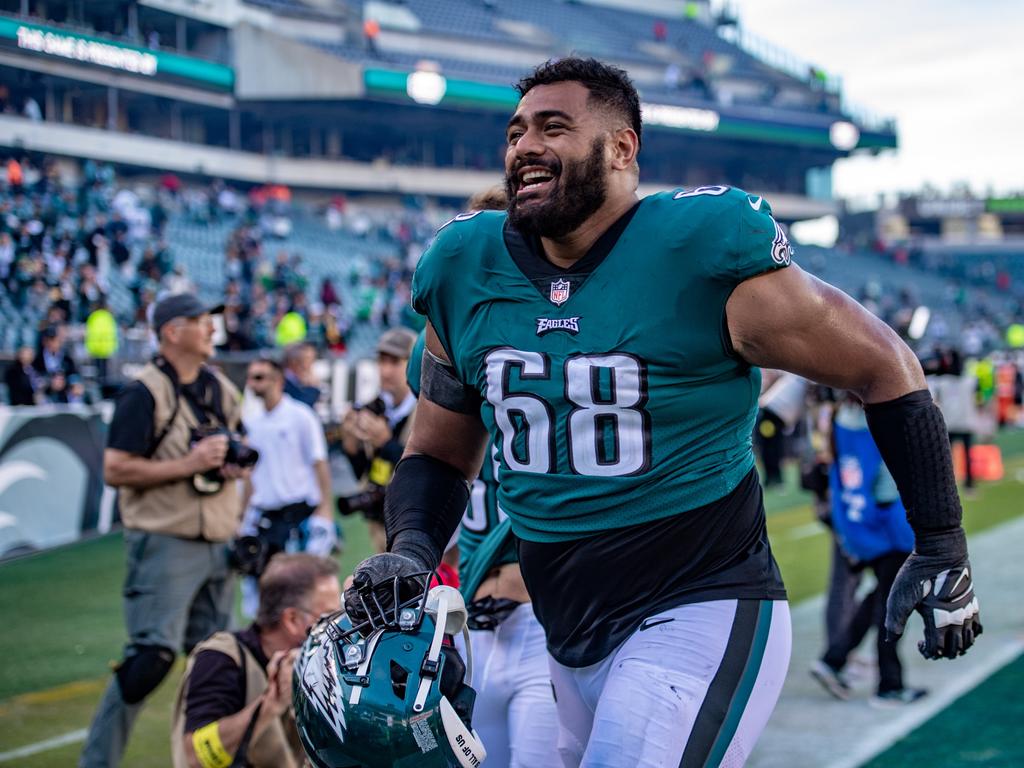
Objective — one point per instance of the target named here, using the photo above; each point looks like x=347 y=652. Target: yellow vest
x=277 y=747
x=175 y=509
x=101 y=334
x=291 y=329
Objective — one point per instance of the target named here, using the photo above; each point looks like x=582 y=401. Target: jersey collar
x=528 y=254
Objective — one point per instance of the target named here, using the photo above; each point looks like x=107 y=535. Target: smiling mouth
x=534 y=180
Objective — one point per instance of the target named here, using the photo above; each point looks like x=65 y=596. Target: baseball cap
x=180 y=305
x=397 y=342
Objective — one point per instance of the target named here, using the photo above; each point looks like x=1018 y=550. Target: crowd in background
x=77 y=241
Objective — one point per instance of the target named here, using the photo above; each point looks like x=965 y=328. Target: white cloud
x=951 y=74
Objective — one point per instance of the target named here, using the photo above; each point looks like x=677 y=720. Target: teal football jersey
x=610 y=389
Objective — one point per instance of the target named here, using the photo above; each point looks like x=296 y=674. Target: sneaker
x=831 y=680
x=897 y=698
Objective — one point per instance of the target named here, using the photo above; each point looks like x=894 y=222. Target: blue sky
x=951 y=73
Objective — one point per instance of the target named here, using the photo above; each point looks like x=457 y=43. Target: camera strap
x=167 y=370
x=210 y=402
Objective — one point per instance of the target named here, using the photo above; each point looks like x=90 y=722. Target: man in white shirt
x=291 y=482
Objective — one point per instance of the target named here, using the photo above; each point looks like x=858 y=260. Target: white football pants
x=515 y=709
x=693 y=686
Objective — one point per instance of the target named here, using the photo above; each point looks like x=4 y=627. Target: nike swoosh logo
x=756 y=205
x=648 y=623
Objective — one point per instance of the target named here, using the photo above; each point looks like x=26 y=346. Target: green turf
x=983 y=727
x=64 y=624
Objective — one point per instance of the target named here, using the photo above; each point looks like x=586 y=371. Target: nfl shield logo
x=559 y=292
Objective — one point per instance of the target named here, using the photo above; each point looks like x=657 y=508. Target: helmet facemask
x=392 y=690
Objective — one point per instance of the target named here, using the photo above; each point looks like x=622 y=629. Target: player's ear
x=624 y=145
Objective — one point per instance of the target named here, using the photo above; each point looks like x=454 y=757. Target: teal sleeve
x=433 y=275
x=758 y=244
x=415 y=367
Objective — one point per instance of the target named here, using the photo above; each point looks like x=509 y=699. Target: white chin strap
x=446 y=606
x=465 y=744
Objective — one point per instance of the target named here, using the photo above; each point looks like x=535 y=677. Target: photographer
x=179 y=505
x=291 y=482
x=233 y=703
x=374 y=435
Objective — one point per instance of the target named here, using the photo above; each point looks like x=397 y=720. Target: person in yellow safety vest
x=291 y=329
x=101 y=338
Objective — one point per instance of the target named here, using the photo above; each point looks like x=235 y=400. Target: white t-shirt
x=290 y=440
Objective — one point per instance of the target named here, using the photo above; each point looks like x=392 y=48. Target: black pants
x=276 y=525
x=871 y=613
x=770 y=441
x=841 y=603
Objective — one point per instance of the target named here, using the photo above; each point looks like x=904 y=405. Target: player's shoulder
x=711 y=201
x=461 y=228
x=454 y=253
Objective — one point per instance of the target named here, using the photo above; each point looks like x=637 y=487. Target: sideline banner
x=51 y=476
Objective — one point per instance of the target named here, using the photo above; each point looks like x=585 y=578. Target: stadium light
x=844 y=135
x=426 y=87
x=919 y=322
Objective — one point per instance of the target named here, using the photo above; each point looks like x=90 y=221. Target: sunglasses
x=257 y=376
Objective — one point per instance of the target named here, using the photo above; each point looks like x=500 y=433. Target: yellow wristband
x=209 y=750
x=380 y=472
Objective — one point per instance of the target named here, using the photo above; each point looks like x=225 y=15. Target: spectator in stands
x=178 y=504
x=52 y=357
x=31 y=110
x=6 y=257
x=300 y=380
x=233 y=702
x=22 y=379
x=374 y=433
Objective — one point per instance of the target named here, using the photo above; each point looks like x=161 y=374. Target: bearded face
x=550 y=198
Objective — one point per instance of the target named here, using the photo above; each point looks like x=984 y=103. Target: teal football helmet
x=391 y=691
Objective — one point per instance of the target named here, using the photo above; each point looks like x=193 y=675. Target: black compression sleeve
x=423 y=505
x=912 y=438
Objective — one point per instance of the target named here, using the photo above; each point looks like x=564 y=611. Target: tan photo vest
x=176 y=509
x=277 y=747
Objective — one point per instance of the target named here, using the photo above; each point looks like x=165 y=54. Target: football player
x=609 y=346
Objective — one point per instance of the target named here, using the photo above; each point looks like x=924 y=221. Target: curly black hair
x=607 y=84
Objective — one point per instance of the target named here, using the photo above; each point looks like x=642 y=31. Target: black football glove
x=363 y=602
x=936 y=581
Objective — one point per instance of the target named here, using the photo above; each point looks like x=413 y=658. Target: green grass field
x=63 y=625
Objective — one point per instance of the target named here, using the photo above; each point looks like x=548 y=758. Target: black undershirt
x=591 y=594
x=216 y=687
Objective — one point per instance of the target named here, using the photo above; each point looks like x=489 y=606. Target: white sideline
x=903 y=722
x=45 y=745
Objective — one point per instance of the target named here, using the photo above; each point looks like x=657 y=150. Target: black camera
x=238 y=453
x=370 y=502
x=249 y=555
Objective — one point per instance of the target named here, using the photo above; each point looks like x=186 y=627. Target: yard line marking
x=44 y=746
x=805 y=531
x=904 y=723
x=64 y=692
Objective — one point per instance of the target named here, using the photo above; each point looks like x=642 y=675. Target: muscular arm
x=790 y=320
x=456 y=438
